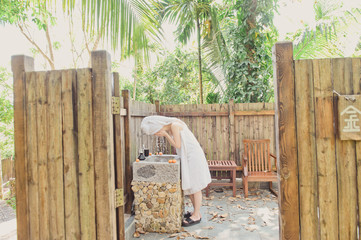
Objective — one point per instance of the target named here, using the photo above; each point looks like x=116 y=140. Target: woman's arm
x=176 y=140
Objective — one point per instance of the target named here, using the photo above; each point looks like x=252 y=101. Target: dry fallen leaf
x=173 y=235
x=136 y=234
x=224 y=215
x=209 y=227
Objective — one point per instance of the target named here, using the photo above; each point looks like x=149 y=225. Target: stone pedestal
x=158 y=206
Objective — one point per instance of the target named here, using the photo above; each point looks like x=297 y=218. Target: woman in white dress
x=194 y=167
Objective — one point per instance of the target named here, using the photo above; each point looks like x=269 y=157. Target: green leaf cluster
x=174 y=80
x=249 y=35
x=6 y=115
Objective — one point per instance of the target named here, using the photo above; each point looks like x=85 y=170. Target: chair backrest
x=258 y=155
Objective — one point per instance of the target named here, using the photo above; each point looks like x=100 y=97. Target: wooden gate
x=320 y=175
x=67 y=170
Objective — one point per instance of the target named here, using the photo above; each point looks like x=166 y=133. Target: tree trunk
x=199 y=61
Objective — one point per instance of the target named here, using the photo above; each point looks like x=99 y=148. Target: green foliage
x=13 y=12
x=12 y=202
x=6 y=115
x=249 y=39
x=328 y=37
x=173 y=80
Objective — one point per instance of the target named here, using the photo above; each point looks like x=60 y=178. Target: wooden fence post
x=19 y=65
x=157 y=107
x=118 y=159
x=103 y=146
x=127 y=160
x=286 y=141
x=232 y=142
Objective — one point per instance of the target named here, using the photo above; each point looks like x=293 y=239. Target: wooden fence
x=7 y=167
x=320 y=174
x=221 y=128
x=64 y=150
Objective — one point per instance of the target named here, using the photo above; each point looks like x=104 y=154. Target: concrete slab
x=156 y=169
x=228 y=218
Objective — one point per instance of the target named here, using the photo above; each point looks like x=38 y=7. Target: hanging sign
x=349 y=117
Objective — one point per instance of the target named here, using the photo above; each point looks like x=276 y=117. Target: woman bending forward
x=194 y=168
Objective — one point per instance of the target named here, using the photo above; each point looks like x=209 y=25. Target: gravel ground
x=7 y=222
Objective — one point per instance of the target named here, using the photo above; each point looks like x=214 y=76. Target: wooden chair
x=257 y=164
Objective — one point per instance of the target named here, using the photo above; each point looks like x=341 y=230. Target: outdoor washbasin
x=157 y=169
x=158 y=199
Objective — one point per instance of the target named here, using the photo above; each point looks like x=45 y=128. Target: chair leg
x=207 y=191
x=271 y=189
x=245 y=187
x=233 y=173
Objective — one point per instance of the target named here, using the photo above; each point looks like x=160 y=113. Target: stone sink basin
x=156 y=169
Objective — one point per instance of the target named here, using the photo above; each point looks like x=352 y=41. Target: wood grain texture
x=19 y=65
x=325 y=141
x=103 y=146
x=305 y=109
x=42 y=134
x=55 y=155
x=286 y=140
x=118 y=141
x=86 y=156
x=232 y=141
x=32 y=155
x=70 y=151
x=345 y=154
x=356 y=69
x=127 y=152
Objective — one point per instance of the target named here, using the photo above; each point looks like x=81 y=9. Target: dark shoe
x=189 y=222
x=187 y=215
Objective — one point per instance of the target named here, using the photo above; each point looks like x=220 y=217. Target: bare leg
x=197 y=203
x=192 y=199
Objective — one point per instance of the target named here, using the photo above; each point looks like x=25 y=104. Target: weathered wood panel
x=286 y=140
x=19 y=65
x=42 y=134
x=306 y=149
x=55 y=157
x=118 y=142
x=70 y=151
x=7 y=169
x=103 y=146
x=345 y=154
x=356 y=70
x=32 y=154
x=86 y=156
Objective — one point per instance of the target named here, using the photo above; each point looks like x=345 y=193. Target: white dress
x=194 y=166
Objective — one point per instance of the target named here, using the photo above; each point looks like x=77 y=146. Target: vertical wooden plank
x=356 y=67
x=345 y=154
x=127 y=159
x=118 y=160
x=306 y=149
x=325 y=142
x=32 y=154
x=218 y=133
x=55 y=157
x=19 y=65
x=286 y=140
x=232 y=142
x=86 y=155
x=70 y=151
x=42 y=134
x=103 y=146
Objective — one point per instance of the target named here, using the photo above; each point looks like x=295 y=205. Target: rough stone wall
x=158 y=207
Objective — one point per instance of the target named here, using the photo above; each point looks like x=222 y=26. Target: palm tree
x=334 y=21
x=190 y=15
x=119 y=20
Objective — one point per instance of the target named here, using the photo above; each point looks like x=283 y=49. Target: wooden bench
x=223 y=165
